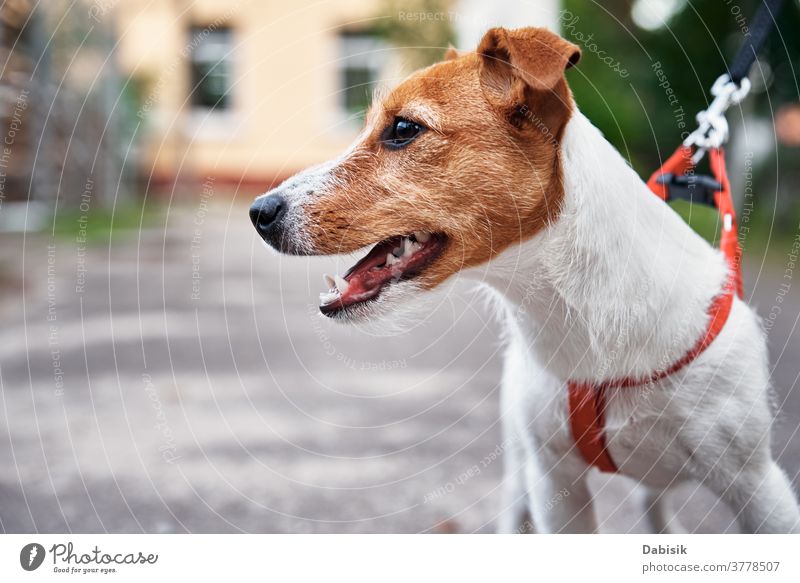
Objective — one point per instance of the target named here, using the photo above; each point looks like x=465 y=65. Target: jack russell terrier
x=482 y=165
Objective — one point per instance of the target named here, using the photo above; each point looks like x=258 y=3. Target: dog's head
x=457 y=163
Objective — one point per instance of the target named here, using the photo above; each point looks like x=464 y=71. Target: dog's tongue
x=387 y=261
x=371 y=272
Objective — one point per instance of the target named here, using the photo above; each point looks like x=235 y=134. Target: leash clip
x=713 y=126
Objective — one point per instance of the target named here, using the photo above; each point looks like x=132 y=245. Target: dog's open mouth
x=392 y=260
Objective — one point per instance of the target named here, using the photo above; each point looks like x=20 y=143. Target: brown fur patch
x=487 y=171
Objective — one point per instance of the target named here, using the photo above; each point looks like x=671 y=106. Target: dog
x=482 y=165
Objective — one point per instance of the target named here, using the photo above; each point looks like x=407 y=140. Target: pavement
x=180 y=380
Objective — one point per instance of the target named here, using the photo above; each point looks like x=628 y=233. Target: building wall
x=474 y=17
x=284 y=113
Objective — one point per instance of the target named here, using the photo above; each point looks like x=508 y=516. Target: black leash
x=761 y=25
x=729 y=89
x=671 y=181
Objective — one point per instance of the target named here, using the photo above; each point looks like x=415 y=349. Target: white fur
x=619 y=286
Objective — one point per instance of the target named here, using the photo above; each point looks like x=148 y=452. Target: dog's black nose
x=266 y=213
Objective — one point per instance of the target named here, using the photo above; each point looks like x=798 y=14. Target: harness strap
x=587 y=420
x=729 y=236
x=587 y=401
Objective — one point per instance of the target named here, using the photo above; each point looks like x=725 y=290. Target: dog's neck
x=618 y=285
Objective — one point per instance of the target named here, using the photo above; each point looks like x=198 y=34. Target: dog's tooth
x=341 y=284
x=409 y=248
x=329 y=281
x=421 y=236
x=390 y=260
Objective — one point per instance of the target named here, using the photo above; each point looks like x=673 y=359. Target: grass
x=703 y=219
x=101 y=225
x=762 y=238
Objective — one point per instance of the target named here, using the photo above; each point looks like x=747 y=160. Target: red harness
x=587 y=400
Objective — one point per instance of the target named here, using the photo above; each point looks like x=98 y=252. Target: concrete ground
x=181 y=380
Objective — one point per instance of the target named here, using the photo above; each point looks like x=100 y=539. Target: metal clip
x=713 y=127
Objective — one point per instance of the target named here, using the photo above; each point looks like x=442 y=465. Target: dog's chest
x=641 y=424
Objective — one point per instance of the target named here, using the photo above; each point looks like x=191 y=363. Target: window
x=210 y=67
x=361 y=59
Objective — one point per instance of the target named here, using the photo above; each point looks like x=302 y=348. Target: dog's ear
x=516 y=63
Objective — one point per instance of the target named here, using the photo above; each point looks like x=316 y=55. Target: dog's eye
x=401 y=133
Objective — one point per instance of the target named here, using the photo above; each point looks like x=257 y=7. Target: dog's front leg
x=761 y=495
x=560 y=500
x=544 y=485
x=535 y=499
x=514 y=516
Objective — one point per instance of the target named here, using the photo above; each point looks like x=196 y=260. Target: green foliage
x=636 y=113
x=647 y=111
x=101 y=225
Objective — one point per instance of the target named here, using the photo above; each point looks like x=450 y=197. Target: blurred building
x=243 y=91
x=108 y=99
x=248 y=92
x=63 y=113
x=476 y=16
